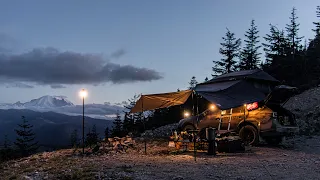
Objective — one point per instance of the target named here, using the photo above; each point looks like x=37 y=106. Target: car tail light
x=252 y=106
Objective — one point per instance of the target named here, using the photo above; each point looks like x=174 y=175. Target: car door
x=209 y=119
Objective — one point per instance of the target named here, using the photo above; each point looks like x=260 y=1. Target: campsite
x=168 y=90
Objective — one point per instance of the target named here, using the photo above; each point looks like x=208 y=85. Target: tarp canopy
x=230 y=94
x=157 y=101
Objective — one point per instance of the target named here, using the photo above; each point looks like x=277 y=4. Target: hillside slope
x=306 y=106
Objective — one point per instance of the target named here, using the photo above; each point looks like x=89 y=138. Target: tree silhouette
x=25 y=141
x=250 y=55
x=229 y=50
x=193 y=82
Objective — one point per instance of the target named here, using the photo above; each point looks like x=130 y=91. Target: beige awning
x=157 y=101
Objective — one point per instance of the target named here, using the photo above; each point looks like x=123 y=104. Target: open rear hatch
x=280 y=95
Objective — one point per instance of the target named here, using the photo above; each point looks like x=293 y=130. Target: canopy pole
x=144 y=127
x=192 y=103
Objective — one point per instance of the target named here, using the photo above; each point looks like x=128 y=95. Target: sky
x=116 y=48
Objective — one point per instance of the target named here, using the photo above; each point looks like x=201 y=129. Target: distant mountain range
x=52 y=129
x=60 y=104
x=54 y=118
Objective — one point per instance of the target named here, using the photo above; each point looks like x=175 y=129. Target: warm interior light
x=212 y=107
x=83 y=93
x=186 y=114
x=252 y=106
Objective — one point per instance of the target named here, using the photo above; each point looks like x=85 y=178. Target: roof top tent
x=237 y=88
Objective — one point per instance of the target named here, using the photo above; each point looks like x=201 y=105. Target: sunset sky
x=116 y=49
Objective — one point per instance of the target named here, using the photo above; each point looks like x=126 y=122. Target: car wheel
x=273 y=140
x=249 y=135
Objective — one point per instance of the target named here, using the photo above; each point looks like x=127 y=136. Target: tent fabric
x=255 y=74
x=215 y=87
x=156 y=101
x=239 y=93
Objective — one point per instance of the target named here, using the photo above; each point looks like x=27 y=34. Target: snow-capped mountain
x=45 y=102
x=61 y=104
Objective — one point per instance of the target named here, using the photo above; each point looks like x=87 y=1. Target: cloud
x=19 y=85
x=57 y=86
x=117 y=54
x=48 y=66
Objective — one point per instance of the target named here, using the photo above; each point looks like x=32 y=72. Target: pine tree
x=292 y=32
x=313 y=52
x=206 y=79
x=92 y=137
x=127 y=126
x=74 y=138
x=316 y=40
x=25 y=141
x=250 y=54
x=139 y=125
x=117 y=126
x=229 y=50
x=274 y=47
x=193 y=82
x=130 y=118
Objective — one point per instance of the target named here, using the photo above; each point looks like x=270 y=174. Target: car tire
x=273 y=140
x=249 y=135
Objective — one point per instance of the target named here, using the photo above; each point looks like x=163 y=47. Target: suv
x=266 y=119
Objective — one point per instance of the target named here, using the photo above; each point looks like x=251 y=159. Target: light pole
x=83 y=94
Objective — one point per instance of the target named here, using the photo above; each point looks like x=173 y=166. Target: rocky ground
x=306 y=106
x=299 y=162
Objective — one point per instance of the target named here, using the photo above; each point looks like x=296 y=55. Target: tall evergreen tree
x=274 y=47
x=117 y=126
x=313 y=52
x=250 y=56
x=127 y=126
x=25 y=141
x=230 y=51
x=193 y=82
x=129 y=119
x=292 y=32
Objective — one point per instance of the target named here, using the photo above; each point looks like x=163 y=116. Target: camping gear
x=211 y=137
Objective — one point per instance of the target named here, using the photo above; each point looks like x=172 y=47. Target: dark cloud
x=19 y=85
x=57 y=86
x=117 y=54
x=48 y=66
